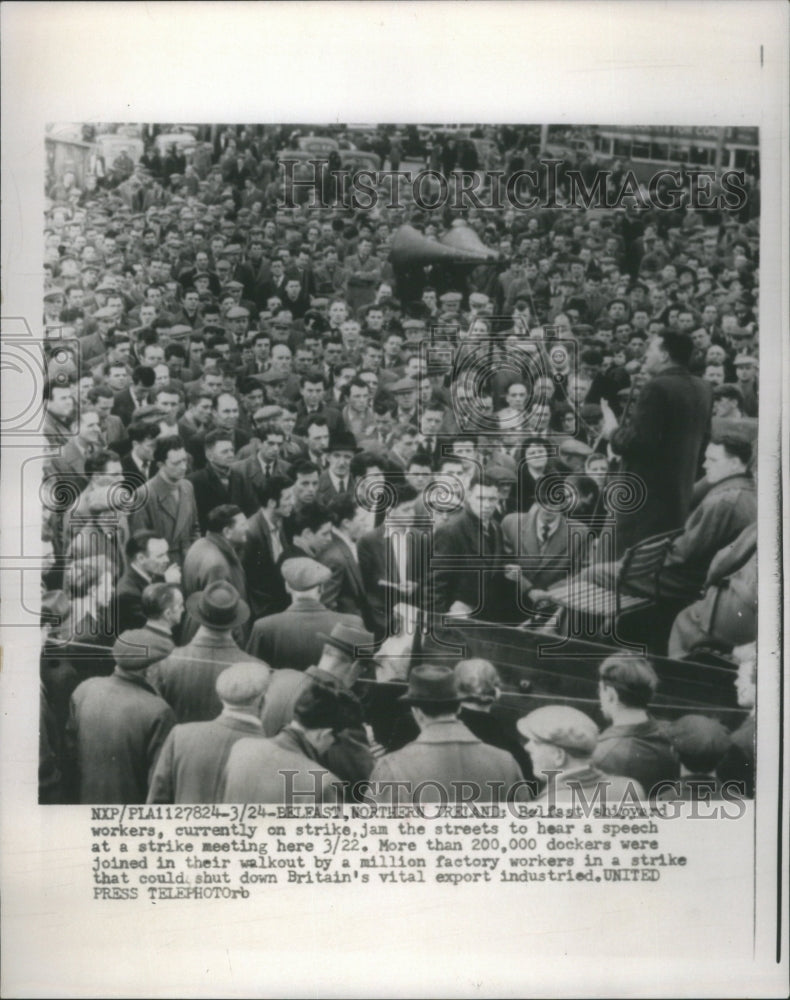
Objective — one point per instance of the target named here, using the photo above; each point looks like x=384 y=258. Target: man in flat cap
x=446 y=763
x=560 y=741
x=291 y=638
x=286 y=769
x=191 y=765
x=117 y=726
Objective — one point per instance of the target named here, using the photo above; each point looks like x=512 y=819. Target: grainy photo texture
x=398 y=465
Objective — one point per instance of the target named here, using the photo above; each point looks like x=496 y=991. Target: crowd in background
x=269 y=453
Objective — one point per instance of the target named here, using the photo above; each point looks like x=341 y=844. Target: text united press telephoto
x=399 y=507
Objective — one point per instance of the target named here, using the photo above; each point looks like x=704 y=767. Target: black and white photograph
x=404 y=433
x=392 y=512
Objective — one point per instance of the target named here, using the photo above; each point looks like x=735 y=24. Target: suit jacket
x=91 y=346
x=129 y=600
x=345 y=591
x=727 y=612
x=326 y=488
x=132 y=476
x=642 y=752
x=155 y=640
x=210 y=559
x=474 y=581
x=292 y=639
x=171 y=517
x=447 y=753
x=191 y=765
x=210 y=492
x=662 y=443
x=543 y=566
x=186 y=678
x=116 y=728
x=188 y=430
x=727 y=509
x=124 y=405
x=69 y=465
x=265 y=588
x=55 y=431
x=247 y=478
x=256 y=772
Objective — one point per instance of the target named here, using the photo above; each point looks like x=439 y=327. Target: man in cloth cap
x=117 y=726
x=192 y=761
x=446 y=762
x=560 y=741
x=186 y=679
x=291 y=638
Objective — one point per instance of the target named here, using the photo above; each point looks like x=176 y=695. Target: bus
x=651 y=147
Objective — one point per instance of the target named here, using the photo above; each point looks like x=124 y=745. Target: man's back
x=116 y=730
x=585 y=784
x=186 y=678
x=192 y=762
x=291 y=638
x=662 y=443
x=448 y=754
x=282 y=770
x=641 y=752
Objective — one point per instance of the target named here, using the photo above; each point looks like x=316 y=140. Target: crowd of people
x=268 y=460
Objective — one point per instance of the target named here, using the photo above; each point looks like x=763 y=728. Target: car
x=318 y=145
x=184 y=142
x=570 y=148
x=359 y=159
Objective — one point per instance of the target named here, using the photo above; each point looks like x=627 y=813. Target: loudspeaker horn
x=410 y=248
x=461 y=236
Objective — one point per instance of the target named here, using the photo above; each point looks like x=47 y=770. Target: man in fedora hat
x=291 y=639
x=346 y=648
x=186 y=679
x=117 y=726
x=191 y=765
x=287 y=768
x=446 y=762
x=336 y=479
